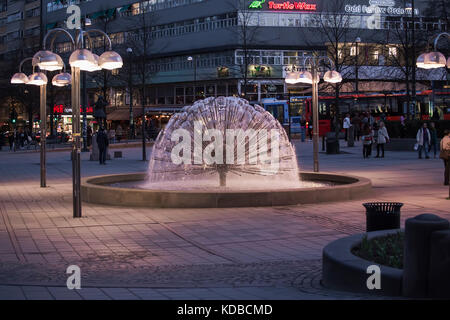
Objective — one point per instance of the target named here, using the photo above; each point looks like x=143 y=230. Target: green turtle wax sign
x=284 y=6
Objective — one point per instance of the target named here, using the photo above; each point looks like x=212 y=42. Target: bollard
x=416 y=261
x=439 y=276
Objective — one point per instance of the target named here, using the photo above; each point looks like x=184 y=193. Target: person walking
x=356 y=122
x=433 y=139
x=367 y=139
x=445 y=155
x=89 y=136
x=11 y=140
x=102 y=141
x=423 y=138
x=382 y=139
x=346 y=125
x=402 y=126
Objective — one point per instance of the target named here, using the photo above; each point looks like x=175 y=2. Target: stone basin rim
x=95 y=190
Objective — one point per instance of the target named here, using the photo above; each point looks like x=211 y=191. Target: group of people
x=427 y=139
x=374 y=134
x=17 y=139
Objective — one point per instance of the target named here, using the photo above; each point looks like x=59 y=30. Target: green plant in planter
x=387 y=250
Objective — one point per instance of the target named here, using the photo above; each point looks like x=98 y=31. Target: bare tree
x=246 y=33
x=334 y=27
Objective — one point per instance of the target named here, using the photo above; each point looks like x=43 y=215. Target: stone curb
x=342 y=270
x=96 y=190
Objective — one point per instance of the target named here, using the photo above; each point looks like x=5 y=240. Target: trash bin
x=382 y=215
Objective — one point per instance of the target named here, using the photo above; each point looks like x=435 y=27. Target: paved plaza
x=143 y=253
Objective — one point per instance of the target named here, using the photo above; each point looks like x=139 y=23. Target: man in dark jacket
x=102 y=141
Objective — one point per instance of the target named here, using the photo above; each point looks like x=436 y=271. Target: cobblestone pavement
x=140 y=253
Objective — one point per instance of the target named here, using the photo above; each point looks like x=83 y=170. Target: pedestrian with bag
x=382 y=139
x=423 y=138
x=445 y=155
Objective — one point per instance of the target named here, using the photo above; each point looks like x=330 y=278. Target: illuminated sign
x=285 y=5
x=60 y=109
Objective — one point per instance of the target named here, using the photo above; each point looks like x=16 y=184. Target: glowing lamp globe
x=94 y=67
x=19 y=78
x=434 y=60
x=110 y=60
x=47 y=60
x=332 y=77
x=62 y=79
x=83 y=59
x=291 y=77
x=37 y=79
x=305 y=77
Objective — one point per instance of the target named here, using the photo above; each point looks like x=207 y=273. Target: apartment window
x=32 y=31
x=375 y=55
x=2 y=21
x=2 y=39
x=32 y=13
x=15 y=17
x=14 y=35
x=392 y=51
x=3 y=6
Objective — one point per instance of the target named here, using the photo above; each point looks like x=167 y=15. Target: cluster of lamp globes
x=432 y=60
x=294 y=77
x=80 y=58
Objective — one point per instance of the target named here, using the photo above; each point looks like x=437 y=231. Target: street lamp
x=39 y=79
x=81 y=59
x=357 y=42
x=192 y=59
x=313 y=78
x=130 y=93
x=434 y=59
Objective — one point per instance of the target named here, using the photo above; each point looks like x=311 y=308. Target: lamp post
x=434 y=60
x=411 y=7
x=357 y=42
x=313 y=78
x=130 y=92
x=80 y=60
x=194 y=61
x=38 y=79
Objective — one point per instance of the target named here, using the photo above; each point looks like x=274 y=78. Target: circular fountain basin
x=335 y=187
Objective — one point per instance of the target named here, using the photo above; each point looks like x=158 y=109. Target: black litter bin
x=332 y=143
x=382 y=215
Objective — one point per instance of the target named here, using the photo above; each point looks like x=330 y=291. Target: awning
x=123 y=114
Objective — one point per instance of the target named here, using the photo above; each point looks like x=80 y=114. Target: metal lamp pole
x=84 y=101
x=76 y=143
x=43 y=113
x=357 y=41
x=130 y=90
x=315 y=105
x=413 y=36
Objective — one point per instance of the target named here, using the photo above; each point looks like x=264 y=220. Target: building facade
x=199 y=48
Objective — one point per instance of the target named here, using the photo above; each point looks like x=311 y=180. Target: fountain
x=229 y=141
x=222 y=152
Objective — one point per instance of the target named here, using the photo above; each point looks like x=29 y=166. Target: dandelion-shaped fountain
x=223 y=142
